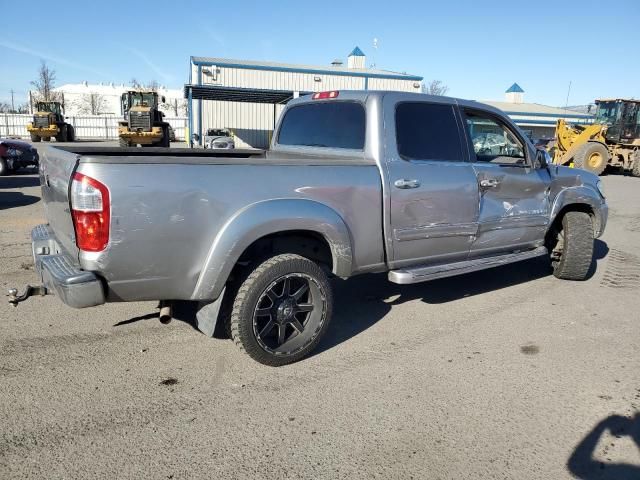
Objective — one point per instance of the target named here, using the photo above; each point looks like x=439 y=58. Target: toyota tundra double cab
x=421 y=187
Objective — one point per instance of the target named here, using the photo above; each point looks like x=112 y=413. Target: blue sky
x=477 y=48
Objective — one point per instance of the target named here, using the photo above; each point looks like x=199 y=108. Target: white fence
x=87 y=127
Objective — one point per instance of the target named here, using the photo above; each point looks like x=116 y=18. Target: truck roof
x=362 y=95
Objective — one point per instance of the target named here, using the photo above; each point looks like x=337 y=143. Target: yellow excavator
x=612 y=140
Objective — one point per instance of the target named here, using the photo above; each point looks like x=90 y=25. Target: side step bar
x=432 y=272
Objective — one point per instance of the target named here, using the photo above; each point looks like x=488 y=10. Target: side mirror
x=543 y=159
x=164 y=100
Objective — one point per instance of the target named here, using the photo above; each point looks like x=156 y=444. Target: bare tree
x=175 y=106
x=435 y=87
x=45 y=83
x=92 y=104
x=5 y=107
x=23 y=108
x=152 y=85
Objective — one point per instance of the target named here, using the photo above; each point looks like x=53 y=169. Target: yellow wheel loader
x=143 y=123
x=48 y=121
x=613 y=139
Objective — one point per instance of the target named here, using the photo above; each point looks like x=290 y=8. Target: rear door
x=433 y=192
x=513 y=195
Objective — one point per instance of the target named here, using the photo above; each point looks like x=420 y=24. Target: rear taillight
x=90 y=209
x=324 y=95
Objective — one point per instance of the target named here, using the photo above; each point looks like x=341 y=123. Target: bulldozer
x=48 y=121
x=612 y=140
x=143 y=122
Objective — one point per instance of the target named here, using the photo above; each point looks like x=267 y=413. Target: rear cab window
x=334 y=124
x=428 y=131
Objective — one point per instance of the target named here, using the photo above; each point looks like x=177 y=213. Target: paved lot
x=508 y=373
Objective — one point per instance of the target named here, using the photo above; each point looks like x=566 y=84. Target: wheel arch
x=282 y=221
x=574 y=202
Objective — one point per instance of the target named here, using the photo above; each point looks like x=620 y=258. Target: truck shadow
x=360 y=302
x=21 y=179
x=16 y=199
x=584 y=465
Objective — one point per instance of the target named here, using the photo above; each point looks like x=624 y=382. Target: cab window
x=493 y=141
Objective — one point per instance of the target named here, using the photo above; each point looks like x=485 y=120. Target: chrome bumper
x=60 y=274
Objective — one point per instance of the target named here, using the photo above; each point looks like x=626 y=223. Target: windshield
x=47 y=107
x=608 y=113
x=142 y=100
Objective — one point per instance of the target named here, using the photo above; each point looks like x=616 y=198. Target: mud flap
x=207 y=315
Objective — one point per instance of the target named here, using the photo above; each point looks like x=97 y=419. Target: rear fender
x=265 y=218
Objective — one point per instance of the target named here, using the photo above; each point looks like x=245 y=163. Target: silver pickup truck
x=417 y=186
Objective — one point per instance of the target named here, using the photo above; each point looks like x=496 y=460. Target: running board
x=432 y=272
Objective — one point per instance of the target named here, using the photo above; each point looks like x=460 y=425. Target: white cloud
x=51 y=58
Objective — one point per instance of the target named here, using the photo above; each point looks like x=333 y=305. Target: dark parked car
x=15 y=154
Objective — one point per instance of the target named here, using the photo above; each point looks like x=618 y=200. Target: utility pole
x=13 y=107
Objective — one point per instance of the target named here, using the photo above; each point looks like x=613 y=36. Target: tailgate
x=56 y=168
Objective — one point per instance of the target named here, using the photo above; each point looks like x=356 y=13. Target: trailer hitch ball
x=15 y=299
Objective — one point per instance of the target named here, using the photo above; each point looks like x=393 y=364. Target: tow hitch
x=15 y=299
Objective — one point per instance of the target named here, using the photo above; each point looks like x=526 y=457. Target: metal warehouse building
x=247 y=96
x=539 y=121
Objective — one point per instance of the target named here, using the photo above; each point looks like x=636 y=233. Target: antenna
x=375 y=50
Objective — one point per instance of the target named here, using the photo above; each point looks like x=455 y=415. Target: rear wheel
x=124 y=143
x=593 y=157
x=572 y=249
x=62 y=134
x=282 y=310
x=635 y=163
x=4 y=168
x=71 y=133
x=35 y=138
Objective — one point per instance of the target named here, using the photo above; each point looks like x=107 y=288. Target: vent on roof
x=356 y=59
x=337 y=63
x=514 y=94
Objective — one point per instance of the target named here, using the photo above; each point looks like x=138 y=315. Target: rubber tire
x=577 y=253
x=580 y=159
x=4 y=168
x=635 y=163
x=35 y=138
x=249 y=293
x=71 y=133
x=165 y=142
x=124 y=143
x=62 y=136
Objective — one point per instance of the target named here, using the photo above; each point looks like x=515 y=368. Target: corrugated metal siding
x=253 y=123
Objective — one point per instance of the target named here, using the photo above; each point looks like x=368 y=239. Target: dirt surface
x=508 y=373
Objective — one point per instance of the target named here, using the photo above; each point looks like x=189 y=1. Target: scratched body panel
x=165 y=218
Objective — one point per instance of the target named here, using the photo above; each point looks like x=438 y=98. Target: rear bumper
x=60 y=274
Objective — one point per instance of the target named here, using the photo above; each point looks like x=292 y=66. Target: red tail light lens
x=90 y=209
x=324 y=95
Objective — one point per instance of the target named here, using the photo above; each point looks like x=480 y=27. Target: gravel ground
x=508 y=373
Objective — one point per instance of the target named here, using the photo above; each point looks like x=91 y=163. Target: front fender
x=582 y=195
x=265 y=218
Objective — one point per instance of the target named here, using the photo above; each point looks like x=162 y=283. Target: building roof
x=317 y=69
x=356 y=52
x=534 y=114
x=515 y=88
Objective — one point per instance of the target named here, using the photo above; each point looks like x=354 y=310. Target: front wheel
x=572 y=251
x=35 y=138
x=635 y=163
x=4 y=168
x=592 y=157
x=282 y=310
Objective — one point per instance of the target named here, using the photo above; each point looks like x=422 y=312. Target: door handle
x=404 y=183
x=489 y=182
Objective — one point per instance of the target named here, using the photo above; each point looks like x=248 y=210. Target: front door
x=432 y=189
x=514 y=201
